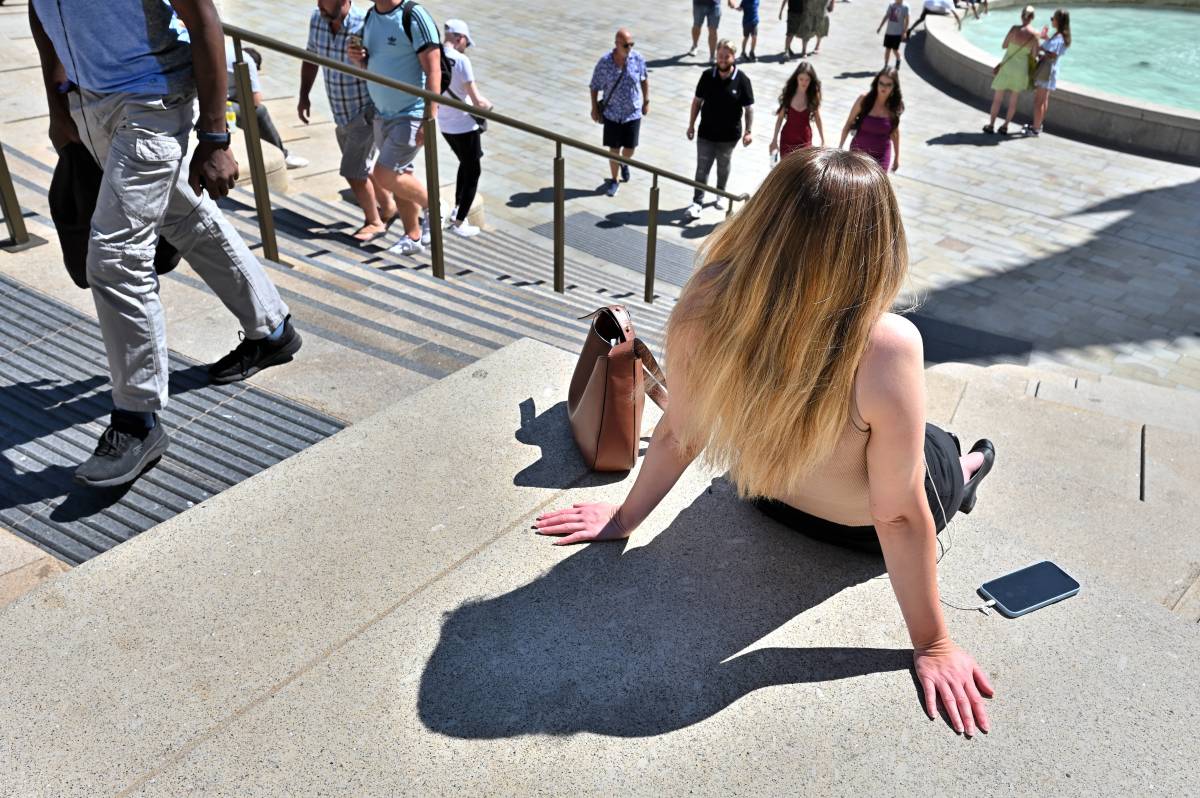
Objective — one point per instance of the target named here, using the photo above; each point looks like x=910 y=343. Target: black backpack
x=406 y=15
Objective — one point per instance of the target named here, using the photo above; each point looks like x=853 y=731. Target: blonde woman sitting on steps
x=787 y=369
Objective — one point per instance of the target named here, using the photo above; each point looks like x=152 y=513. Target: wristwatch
x=221 y=139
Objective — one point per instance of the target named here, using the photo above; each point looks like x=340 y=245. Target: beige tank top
x=838 y=489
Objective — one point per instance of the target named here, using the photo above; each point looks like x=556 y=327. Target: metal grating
x=54 y=403
x=612 y=239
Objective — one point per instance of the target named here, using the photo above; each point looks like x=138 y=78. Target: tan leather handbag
x=608 y=390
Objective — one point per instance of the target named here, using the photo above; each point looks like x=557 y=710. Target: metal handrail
x=258 y=171
x=11 y=208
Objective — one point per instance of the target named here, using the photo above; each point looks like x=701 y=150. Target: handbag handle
x=656 y=382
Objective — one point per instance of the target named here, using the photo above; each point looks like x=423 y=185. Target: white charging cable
x=943 y=549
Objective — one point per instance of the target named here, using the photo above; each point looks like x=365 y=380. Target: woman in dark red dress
x=799 y=111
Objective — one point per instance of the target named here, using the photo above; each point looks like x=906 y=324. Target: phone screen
x=1030 y=587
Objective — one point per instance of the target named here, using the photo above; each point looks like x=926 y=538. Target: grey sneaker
x=610 y=187
x=253 y=355
x=121 y=455
x=407 y=246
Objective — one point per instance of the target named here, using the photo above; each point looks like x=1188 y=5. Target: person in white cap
x=460 y=129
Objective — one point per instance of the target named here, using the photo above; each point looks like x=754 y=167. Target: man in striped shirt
x=332 y=25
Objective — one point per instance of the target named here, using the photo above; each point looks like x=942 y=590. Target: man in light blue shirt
x=401 y=41
x=122 y=81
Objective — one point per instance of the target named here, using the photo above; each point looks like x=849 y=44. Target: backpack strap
x=406 y=15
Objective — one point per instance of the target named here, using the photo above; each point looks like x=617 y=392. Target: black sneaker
x=255 y=354
x=624 y=173
x=122 y=454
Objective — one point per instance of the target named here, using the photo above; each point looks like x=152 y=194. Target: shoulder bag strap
x=656 y=382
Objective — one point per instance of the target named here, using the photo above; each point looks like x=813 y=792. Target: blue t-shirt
x=749 y=12
x=134 y=46
x=390 y=53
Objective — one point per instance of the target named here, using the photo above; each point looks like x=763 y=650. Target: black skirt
x=944 y=481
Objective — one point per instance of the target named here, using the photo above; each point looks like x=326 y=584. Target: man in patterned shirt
x=620 y=98
x=329 y=31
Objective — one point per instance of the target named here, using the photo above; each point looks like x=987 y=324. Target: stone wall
x=1075 y=110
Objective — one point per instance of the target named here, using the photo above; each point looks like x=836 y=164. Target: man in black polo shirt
x=723 y=95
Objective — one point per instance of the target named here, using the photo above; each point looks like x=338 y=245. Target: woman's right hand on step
x=582 y=523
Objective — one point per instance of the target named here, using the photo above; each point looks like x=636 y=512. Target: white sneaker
x=407 y=246
x=464 y=229
x=294 y=161
x=719 y=204
x=692 y=213
x=426 y=234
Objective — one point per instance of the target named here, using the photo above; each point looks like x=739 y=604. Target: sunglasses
x=628 y=45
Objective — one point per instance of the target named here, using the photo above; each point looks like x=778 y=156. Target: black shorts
x=622 y=134
x=944 y=481
x=892 y=41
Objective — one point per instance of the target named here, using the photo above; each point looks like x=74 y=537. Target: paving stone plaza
x=329 y=586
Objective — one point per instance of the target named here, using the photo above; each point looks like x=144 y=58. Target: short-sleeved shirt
x=231 y=92
x=347 y=94
x=897 y=14
x=390 y=53
x=452 y=120
x=622 y=96
x=723 y=100
x=943 y=6
x=797 y=6
x=110 y=46
x=749 y=12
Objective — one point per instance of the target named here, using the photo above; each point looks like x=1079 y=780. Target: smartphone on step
x=1029 y=589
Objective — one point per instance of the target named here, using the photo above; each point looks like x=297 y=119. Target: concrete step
x=1076 y=484
x=382 y=593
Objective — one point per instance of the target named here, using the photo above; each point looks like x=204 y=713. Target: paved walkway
x=1088 y=254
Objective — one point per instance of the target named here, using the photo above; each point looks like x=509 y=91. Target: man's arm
x=213 y=166
x=62 y=127
x=746 y=136
x=645 y=96
x=308 y=76
x=431 y=62
x=691 y=131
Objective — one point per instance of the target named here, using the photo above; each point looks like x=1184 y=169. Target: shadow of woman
x=648 y=640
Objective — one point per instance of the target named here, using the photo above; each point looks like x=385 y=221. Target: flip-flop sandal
x=362 y=242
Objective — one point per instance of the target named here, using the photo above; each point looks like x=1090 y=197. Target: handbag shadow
x=642 y=642
x=560 y=463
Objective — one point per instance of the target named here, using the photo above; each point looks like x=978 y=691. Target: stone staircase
x=374 y=617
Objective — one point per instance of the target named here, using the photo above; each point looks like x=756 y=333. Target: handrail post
x=434 y=192
x=258 y=169
x=17 y=233
x=729 y=208
x=560 y=219
x=651 y=240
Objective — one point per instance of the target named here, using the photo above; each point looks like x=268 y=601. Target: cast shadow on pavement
x=973 y=139
x=523 y=199
x=645 y=641
x=559 y=463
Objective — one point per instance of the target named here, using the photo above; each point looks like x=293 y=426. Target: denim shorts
x=397 y=142
x=702 y=12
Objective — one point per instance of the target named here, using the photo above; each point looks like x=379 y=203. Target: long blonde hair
x=775 y=321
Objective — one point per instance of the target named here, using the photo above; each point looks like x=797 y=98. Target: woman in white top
x=1046 y=78
x=460 y=129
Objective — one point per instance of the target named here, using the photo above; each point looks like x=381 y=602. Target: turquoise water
x=1151 y=54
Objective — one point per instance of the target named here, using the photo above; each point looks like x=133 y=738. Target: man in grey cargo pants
x=123 y=78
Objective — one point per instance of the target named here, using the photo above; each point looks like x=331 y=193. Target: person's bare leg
x=410 y=196
x=364 y=194
x=712 y=43
x=627 y=152
x=753 y=46
x=1041 y=100
x=803 y=47
x=695 y=37
x=997 y=99
x=787 y=46
x=384 y=201
x=970 y=464
x=1012 y=107
x=613 y=166
x=817 y=46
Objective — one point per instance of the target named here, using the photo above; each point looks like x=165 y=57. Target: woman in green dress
x=814 y=22
x=1012 y=73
